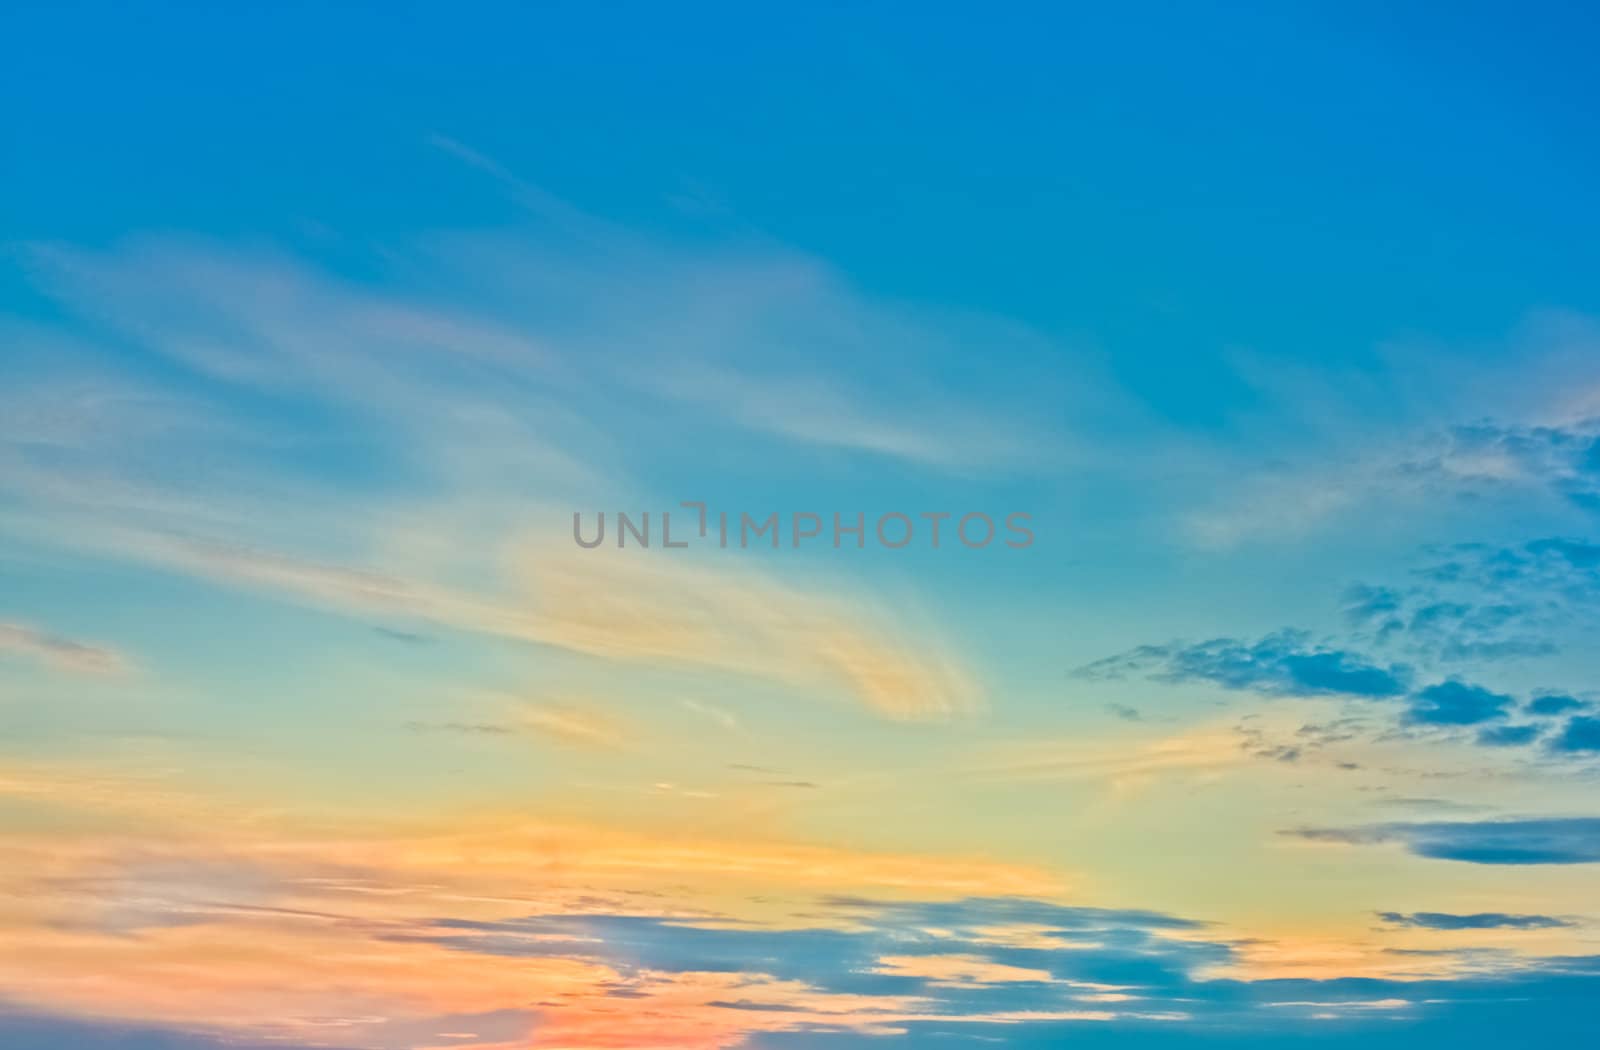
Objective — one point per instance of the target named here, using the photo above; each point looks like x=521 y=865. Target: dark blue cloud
x=1551 y=704
x=1455 y=631
x=1094 y=946
x=1456 y=703
x=1285 y=663
x=1539 y=579
x=1162 y=967
x=1547 y=1005
x=1580 y=734
x=1477 y=602
x=1487 y=920
x=1508 y=736
x=32 y=1030
x=1166 y=970
x=23 y=1030
x=1558 y=840
x=977 y=912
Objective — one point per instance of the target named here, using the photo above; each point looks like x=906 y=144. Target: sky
x=1266 y=340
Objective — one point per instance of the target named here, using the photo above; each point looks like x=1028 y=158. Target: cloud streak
x=1556 y=840
x=1434 y=920
x=67 y=654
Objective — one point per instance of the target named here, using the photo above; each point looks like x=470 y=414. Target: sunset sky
x=319 y=324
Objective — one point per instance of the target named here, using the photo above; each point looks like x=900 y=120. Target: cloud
x=152 y=892
x=722 y=336
x=403 y=637
x=1364 y=604
x=489 y=1030
x=1067 y=953
x=1579 y=555
x=464 y=728
x=1026 y=973
x=1562 y=459
x=1452 y=465
x=1200 y=751
x=1422 y=438
x=1552 y=704
x=1455 y=703
x=451 y=404
x=1478 y=602
x=43 y=1031
x=732 y=619
x=805 y=408
x=1556 y=840
x=1438 y=805
x=287 y=374
x=68 y=654
x=1285 y=663
x=374 y=964
x=1433 y=920
x=1580 y=735
x=1450 y=617
x=1508 y=736
x=569 y=724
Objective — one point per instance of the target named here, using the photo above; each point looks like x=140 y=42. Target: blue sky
x=317 y=326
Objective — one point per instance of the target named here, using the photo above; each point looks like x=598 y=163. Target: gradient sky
x=317 y=326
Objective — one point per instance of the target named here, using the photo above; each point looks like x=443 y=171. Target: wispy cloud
x=575 y=725
x=1433 y=920
x=572 y=725
x=1197 y=752
x=1424 y=436
x=68 y=654
x=468 y=409
x=807 y=409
